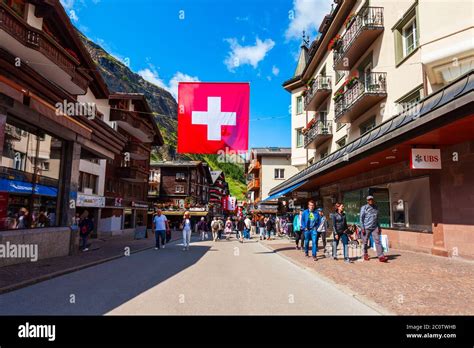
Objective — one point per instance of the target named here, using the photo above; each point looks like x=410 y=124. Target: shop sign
x=300 y=194
x=139 y=205
x=197 y=209
x=425 y=159
x=90 y=201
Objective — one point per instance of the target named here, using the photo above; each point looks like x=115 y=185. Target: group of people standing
x=311 y=224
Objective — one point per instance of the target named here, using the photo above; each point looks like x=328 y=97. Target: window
x=339 y=125
x=180 y=176
x=279 y=173
x=88 y=182
x=406 y=35
x=341 y=142
x=354 y=200
x=339 y=75
x=179 y=189
x=410 y=99
x=409 y=37
x=299 y=137
x=367 y=126
x=299 y=105
x=29 y=177
x=324 y=153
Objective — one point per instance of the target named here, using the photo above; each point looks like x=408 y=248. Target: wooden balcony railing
x=366 y=25
x=363 y=94
x=317 y=91
x=254 y=166
x=253 y=184
x=43 y=43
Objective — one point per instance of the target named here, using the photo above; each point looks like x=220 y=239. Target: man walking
x=86 y=226
x=241 y=229
x=310 y=221
x=215 y=228
x=202 y=228
x=160 y=225
x=369 y=221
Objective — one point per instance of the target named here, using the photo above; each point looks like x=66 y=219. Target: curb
x=376 y=307
x=25 y=283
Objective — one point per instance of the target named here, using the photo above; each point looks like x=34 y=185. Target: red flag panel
x=213 y=117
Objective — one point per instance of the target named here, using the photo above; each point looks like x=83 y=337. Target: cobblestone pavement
x=100 y=250
x=409 y=284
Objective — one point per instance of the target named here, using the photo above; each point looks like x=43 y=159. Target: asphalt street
x=225 y=278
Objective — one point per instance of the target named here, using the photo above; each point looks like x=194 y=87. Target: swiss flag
x=213 y=117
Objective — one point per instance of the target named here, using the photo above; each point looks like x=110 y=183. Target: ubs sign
x=425 y=159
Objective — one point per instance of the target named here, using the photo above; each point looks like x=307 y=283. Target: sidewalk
x=409 y=284
x=101 y=250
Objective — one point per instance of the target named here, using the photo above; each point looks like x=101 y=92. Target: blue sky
x=167 y=41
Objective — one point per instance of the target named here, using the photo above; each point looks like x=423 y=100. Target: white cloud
x=306 y=15
x=152 y=76
x=67 y=4
x=252 y=55
x=73 y=15
x=275 y=70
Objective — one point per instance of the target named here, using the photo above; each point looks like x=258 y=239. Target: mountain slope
x=120 y=78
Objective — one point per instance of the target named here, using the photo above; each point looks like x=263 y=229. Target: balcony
x=130 y=122
x=137 y=151
x=364 y=28
x=363 y=94
x=133 y=173
x=318 y=90
x=50 y=59
x=319 y=132
x=253 y=185
x=255 y=165
x=12 y=132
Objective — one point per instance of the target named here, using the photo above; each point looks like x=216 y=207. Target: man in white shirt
x=160 y=226
x=248 y=226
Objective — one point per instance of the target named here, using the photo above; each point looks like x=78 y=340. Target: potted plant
x=335 y=43
x=339 y=93
x=349 y=20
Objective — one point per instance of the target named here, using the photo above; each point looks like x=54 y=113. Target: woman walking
x=228 y=228
x=187 y=228
x=340 y=232
x=261 y=227
x=299 y=235
x=202 y=228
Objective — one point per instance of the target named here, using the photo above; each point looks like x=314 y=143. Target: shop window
x=128 y=219
x=410 y=204
x=29 y=177
x=354 y=200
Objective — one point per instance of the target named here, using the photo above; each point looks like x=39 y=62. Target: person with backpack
x=221 y=228
x=310 y=221
x=202 y=228
x=86 y=226
x=215 y=228
x=248 y=226
x=339 y=223
x=322 y=228
x=299 y=234
x=369 y=221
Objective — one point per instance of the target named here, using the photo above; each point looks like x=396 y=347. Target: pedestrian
x=228 y=228
x=215 y=228
x=221 y=228
x=253 y=228
x=248 y=226
x=159 y=226
x=202 y=228
x=339 y=223
x=322 y=228
x=24 y=220
x=86 y=226
x=369 y=221
x=299 y=234
x=261 y=227
x=284 y=226
x=310 y=222
x=187 y=229
x=269 y=225
x=241 y=228
x=43 y=220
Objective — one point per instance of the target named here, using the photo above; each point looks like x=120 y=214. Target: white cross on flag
x=212 y=117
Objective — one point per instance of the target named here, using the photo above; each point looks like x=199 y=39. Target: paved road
x=212 y=278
